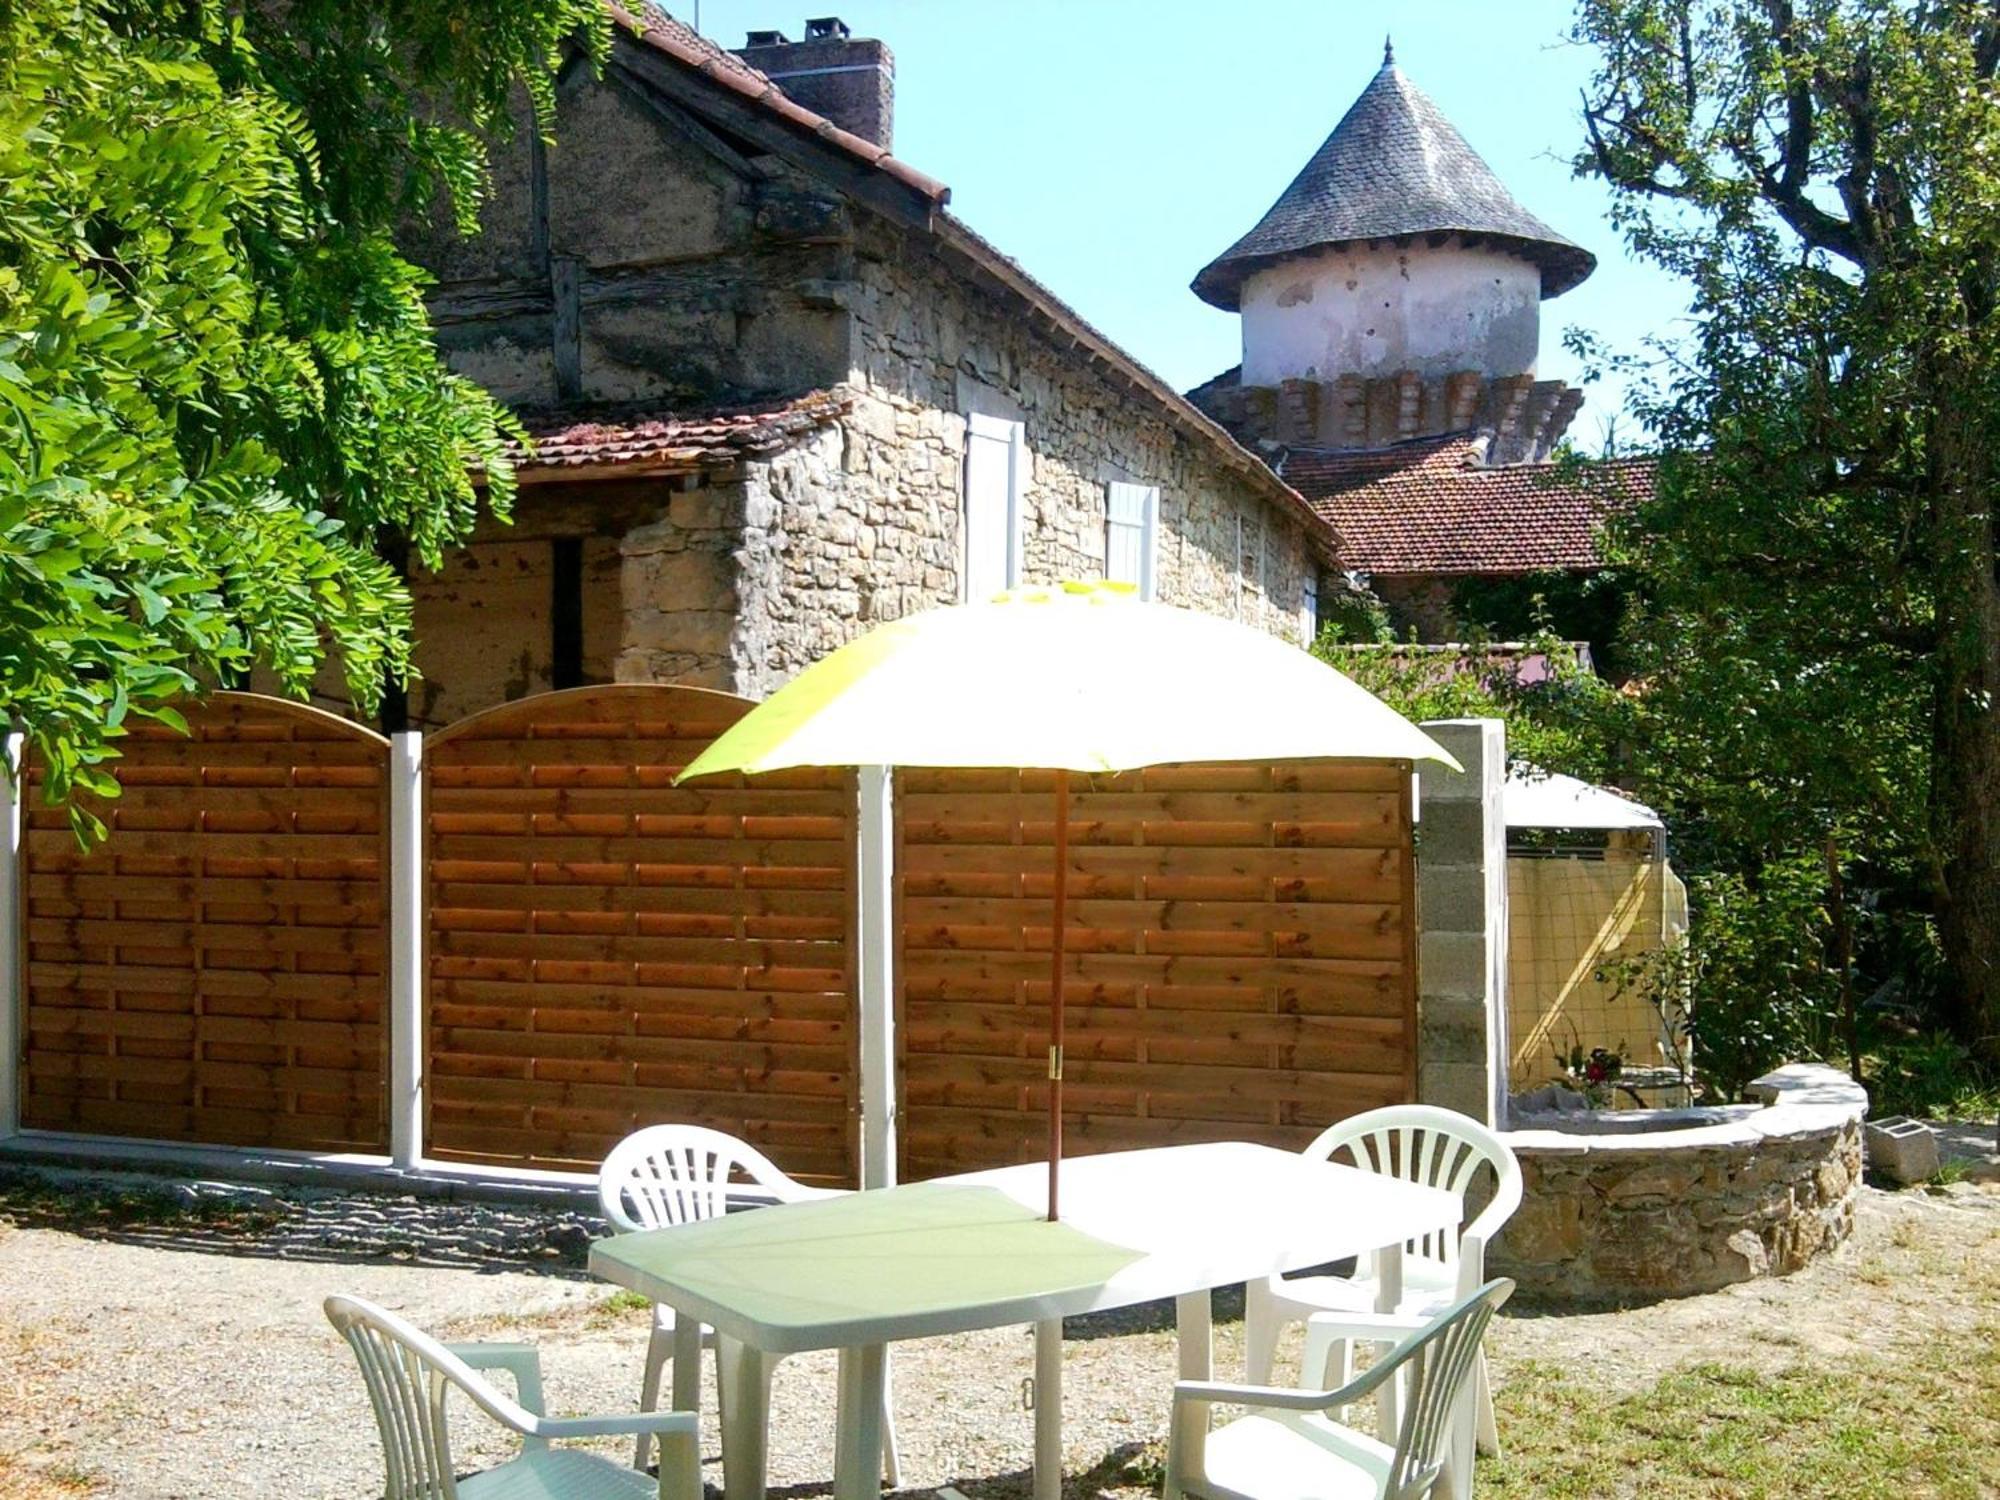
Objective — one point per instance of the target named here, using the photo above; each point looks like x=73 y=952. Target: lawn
x=1923 y=1424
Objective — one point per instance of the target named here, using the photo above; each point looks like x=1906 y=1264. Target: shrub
x=1750 y=985
x=1568 y=719
x=1934 y=1077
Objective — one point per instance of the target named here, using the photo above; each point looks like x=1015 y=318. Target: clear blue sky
x=1114 y=147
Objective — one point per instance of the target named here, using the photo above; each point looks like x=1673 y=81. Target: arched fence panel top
x=233 y=715
x=214 y=971
x=625 y=709
x=607 y=950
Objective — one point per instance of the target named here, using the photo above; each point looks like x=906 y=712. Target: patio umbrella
x=1072 y=677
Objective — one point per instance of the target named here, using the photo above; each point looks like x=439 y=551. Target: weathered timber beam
x=478 y=301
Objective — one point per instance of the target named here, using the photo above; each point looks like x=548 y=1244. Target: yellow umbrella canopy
x=1073 y=677
x=1078 y=677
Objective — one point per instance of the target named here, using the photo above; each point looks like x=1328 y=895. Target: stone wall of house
x=1420 y=602
x=854 y=526
x=1615 y=1217
x=929 y=348
x=626 y=264
x=861 y=524
x=622 y=263
x=680 y=589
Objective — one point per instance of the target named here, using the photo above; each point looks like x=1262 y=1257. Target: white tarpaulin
x=1534 y=800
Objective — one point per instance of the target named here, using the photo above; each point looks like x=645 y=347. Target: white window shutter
x=996 y=473
x=1131 y=535
x=1309 y=607
x=1017 y=503
x=1239 y=565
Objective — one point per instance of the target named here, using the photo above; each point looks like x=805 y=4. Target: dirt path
x=175 y=1360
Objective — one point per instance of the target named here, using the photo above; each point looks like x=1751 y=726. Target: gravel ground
x=162 y=1343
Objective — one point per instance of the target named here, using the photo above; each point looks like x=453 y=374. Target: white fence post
x=406 y=949
x=875 y=911
x=12 y=956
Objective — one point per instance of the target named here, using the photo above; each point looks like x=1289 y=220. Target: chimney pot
x=827 y=29
x=767 y=39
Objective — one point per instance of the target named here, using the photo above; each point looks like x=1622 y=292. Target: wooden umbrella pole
x=1061 y=904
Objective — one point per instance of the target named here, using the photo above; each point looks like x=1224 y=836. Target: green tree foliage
x=1586 y=607
x=218 y=387
x=1817 y=617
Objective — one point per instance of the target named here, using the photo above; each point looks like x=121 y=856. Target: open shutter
x=995 y=479
x=1131 y=535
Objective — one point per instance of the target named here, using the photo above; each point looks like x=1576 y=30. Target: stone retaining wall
x=1660 y=1204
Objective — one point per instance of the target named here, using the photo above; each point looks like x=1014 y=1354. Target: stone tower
x=1393 y=291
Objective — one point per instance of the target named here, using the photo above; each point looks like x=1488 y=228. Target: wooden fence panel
x=1241 y=956
x=214 y=971
x=608 y=950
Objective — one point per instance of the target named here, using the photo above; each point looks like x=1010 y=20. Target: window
x=996 y=473
x=1309 y=607
x=566 y=612
x=1131 y=535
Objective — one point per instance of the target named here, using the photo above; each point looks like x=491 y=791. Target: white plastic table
x=863 y=1270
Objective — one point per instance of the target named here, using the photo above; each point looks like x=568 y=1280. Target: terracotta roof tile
x=1430 y=507
x=655 y=441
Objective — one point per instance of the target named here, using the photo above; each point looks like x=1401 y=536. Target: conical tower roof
x=1394 y=166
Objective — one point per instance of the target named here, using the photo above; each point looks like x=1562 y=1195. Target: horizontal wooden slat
x=202 y=844
x=947 y=912
x=1246 y=776
x=275 y=802
x=732 y=853
x=695 y=799
x=1136 y=860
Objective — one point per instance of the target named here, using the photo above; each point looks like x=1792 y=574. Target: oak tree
x=1818 y=617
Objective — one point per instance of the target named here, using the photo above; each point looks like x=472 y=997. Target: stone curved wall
x=1643 y=1204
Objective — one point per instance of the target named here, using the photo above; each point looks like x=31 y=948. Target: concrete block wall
x=1462 y=922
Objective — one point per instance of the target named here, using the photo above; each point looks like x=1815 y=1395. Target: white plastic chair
x=667 y=1175
x=409 y=1375
x=1417 y=1143
x=1291 y=1448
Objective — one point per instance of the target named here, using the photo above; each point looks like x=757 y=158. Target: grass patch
x=20 y=1480
x=1921 y=1424
x=1933 y=1078
x=617 y=1308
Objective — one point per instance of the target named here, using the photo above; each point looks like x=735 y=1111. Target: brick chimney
x=850 y=80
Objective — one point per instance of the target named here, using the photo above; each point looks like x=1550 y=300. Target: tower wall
x=1373 y=310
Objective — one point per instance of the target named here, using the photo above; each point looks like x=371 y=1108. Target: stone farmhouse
x=1391 y=316
x=780 y=393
